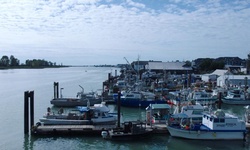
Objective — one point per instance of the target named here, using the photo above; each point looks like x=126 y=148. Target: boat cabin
x=157 y=113
x=221 y=121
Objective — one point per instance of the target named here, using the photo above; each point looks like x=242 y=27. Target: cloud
x=85 y=29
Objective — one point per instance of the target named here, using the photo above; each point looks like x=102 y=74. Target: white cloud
x=90 y=29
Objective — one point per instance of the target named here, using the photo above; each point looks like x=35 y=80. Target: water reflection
x=177 y=143
x=28 y=143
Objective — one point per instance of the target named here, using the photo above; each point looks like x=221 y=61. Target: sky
x=87 y=32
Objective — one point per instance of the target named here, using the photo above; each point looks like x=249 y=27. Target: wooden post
x=28 y=96
x=26 y=112
x=31 y=96
x=119 y=109
x=56 y=90
x=246 y=83
x=109 y=77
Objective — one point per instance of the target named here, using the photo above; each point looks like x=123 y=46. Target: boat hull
x=206 y=134
x=46 y=121
x=139 y=103
x=236 y=101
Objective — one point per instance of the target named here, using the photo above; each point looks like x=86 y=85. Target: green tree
x=188 y=63
x=217 y=65
x=14 y=61
x=205 y=65
x=4 y=61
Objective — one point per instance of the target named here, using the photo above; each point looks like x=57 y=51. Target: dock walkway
x=84 y=129
x=69 y=129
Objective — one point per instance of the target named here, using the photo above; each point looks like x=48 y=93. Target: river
x=14 y=82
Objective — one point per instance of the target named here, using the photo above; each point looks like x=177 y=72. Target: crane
x=130 y=65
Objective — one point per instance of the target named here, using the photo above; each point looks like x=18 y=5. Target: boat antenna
x=88 y=103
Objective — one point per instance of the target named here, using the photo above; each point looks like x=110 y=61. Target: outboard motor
x=104 y=134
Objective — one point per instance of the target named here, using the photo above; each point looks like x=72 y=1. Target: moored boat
x=237 y=97
x=95 y=115
x=158 y=113
x=216 y=126
x=202 y=97
x=192 y=110
x=132 y=130
x=139 y=99
x=81 y=100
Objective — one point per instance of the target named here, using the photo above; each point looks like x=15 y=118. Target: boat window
x=216 y=120
x=197 y=112
x=236 y=95
x=222 y=120
x=211 y=119
x=129 y=95
x=96 y=114
x=105 y=114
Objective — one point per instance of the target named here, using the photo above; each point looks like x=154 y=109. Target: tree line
x=11 y=61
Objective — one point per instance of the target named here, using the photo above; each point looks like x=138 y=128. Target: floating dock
x=69 y=129
x=65 y=130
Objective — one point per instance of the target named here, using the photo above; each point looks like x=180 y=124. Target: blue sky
x=77 y=32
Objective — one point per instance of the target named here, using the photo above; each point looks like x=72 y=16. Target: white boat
x=81 y=100
x=95 y=115
x=237 y=97
x=202 y=97
x=216 y=126
x=247 y=115
x=191 y=110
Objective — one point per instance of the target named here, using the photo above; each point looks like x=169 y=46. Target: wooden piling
x=26 y=112
x=109 y=77
x=118 y=109
x=31 y=96
x=56 y=90
x=28 y=96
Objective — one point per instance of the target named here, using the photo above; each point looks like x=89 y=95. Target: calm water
x=13 y=84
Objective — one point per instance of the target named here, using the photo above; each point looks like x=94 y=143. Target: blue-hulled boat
x=139 y=99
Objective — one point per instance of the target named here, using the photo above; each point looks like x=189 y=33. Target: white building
x=213 y=76
x=233 y=80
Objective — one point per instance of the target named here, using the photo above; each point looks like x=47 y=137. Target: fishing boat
x=202 y=97
x=139 y=99
x=132 y=130
x=81 y=99
x=237 y=97
x=90 y=115
x=214 y=126
x=192 y=109
x=247 y=115
x=158 y=113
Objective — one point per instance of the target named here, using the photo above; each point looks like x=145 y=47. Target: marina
x=87 y=135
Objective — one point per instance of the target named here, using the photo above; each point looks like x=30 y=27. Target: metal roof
x=167 y=66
